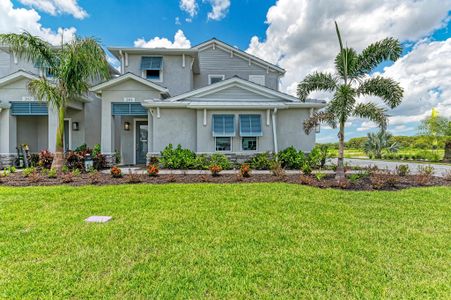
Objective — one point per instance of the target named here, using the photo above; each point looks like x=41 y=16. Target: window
x=249 y=143
x=250 y=126
x=152 y=67
x=223 y=125
x=258 y=79
x=215 y=78
x=223 y=144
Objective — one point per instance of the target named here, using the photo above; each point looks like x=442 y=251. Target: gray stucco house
x=209 y=98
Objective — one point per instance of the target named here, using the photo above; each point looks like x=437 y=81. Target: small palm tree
x=73 y=65
x=378 y=142
x=436 y=127
x=351 y=81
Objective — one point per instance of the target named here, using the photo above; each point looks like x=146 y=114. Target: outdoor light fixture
x=126 y=126
x=75 y=126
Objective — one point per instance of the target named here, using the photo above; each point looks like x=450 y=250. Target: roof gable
x=125 y=77
x=11 y=78
x=235 y=90
x=239 y=53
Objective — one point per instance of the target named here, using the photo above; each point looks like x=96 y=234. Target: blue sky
x=297 y=34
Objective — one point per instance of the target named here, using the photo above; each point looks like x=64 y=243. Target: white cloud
x=219 y=9
x=57 y=7
x=301 y=38
x=177 y=21
x=180 y=41
x=16 y=20
x=189 y=6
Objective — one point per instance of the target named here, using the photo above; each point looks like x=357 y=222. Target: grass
x=224 y=241
x=359 y=153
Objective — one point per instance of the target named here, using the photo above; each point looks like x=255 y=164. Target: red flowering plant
x=215 y=170
x=152 y=170
x=116 y=172
x=245 y=170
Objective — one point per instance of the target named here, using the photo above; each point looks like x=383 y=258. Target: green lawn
x=224 y=241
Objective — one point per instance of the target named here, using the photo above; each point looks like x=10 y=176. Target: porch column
x=106 y=134
x=8 y=138
x=52 y=126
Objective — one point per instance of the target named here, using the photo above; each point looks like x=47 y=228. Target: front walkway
x=439 y=170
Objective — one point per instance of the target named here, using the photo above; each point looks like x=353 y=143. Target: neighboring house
x=210 y=98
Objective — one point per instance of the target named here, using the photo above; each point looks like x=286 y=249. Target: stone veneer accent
x=6 y=160
x=110 y=160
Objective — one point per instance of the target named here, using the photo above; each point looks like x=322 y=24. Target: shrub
x=45 y=159
x=426 y=170
x=377 y=181
x=67 y=177
x=201 y=162
x=290 y=158
x=65 y=169
x=402 y=170
x=133 y=177
x=245 y=170
x=34 y=177
x=34 y=160
x=99 y=161
x=221 y=160
x=5 y=173
x=28 y=171
x=314 y=158
x=74 y=160
x=261 y=161
x=81 y=148
x=152 y=170
x=76 y=172
x=307 y=180
x=277 y=169
x=177 y=158
x=96 y=150
x=306 y=169
x=94 y=176
x=116 y=172
x=320 y=176
x=215 y=170
x=353 y=178
x=447 y=175
x=154 y=160
x=52 y=173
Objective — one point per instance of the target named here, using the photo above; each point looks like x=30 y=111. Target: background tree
x=437 y=127
x=379 y=142
x=74 y=66
x=350 y=82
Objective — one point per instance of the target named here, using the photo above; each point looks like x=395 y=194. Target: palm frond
x=372 y=112
x=44 y=90
x=314 y=82
x=346 y=64
x=374 y=54
x=389 y=90
x=343 y=102
x=32 y=48
x=318 y=118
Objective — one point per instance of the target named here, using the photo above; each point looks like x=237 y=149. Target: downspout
x=274 y=131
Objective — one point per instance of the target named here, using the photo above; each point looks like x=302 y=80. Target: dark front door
x=141 y=142
x=66 y=135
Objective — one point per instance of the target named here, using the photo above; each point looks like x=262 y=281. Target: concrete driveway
x=439 y=170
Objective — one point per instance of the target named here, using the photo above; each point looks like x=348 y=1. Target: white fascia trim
x=98 y=88
x=235 y=81
x=14 y=76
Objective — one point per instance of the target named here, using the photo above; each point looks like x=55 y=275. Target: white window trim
x=247 y=151
x=231 y=144
x=143 y=72
x=215 y=75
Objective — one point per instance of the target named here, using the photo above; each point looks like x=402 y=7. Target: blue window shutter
x=151 y=63
x=250 y=125
x=223 y=125
x=128 y=109
x=26 y=108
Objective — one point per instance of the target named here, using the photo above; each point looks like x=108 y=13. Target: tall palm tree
x=350 y=82
x=74 y=66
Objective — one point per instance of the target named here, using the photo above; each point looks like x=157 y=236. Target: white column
x=274 y=131
x=149 y=132
x=107 y=130
x=5 y=132
x=52 y=126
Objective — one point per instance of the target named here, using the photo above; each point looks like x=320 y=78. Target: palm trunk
x=447 y=157
x=58 y=159
x=340 y=174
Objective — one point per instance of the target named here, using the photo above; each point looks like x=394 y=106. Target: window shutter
x=29 y=109
x=250 y=125
x=151 y=63
x=223 y=125
x=128 y=109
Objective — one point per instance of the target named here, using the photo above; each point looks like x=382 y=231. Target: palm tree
x=436 y=126
x=378 y=142
x=74 y=66
x=350 y=82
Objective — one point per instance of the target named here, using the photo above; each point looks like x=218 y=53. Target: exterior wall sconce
x=127 y=126
x=75 y=126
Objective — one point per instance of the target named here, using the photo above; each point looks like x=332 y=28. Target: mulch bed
x=376 y=182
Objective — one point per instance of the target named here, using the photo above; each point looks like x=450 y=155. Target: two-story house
x=209 y=98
